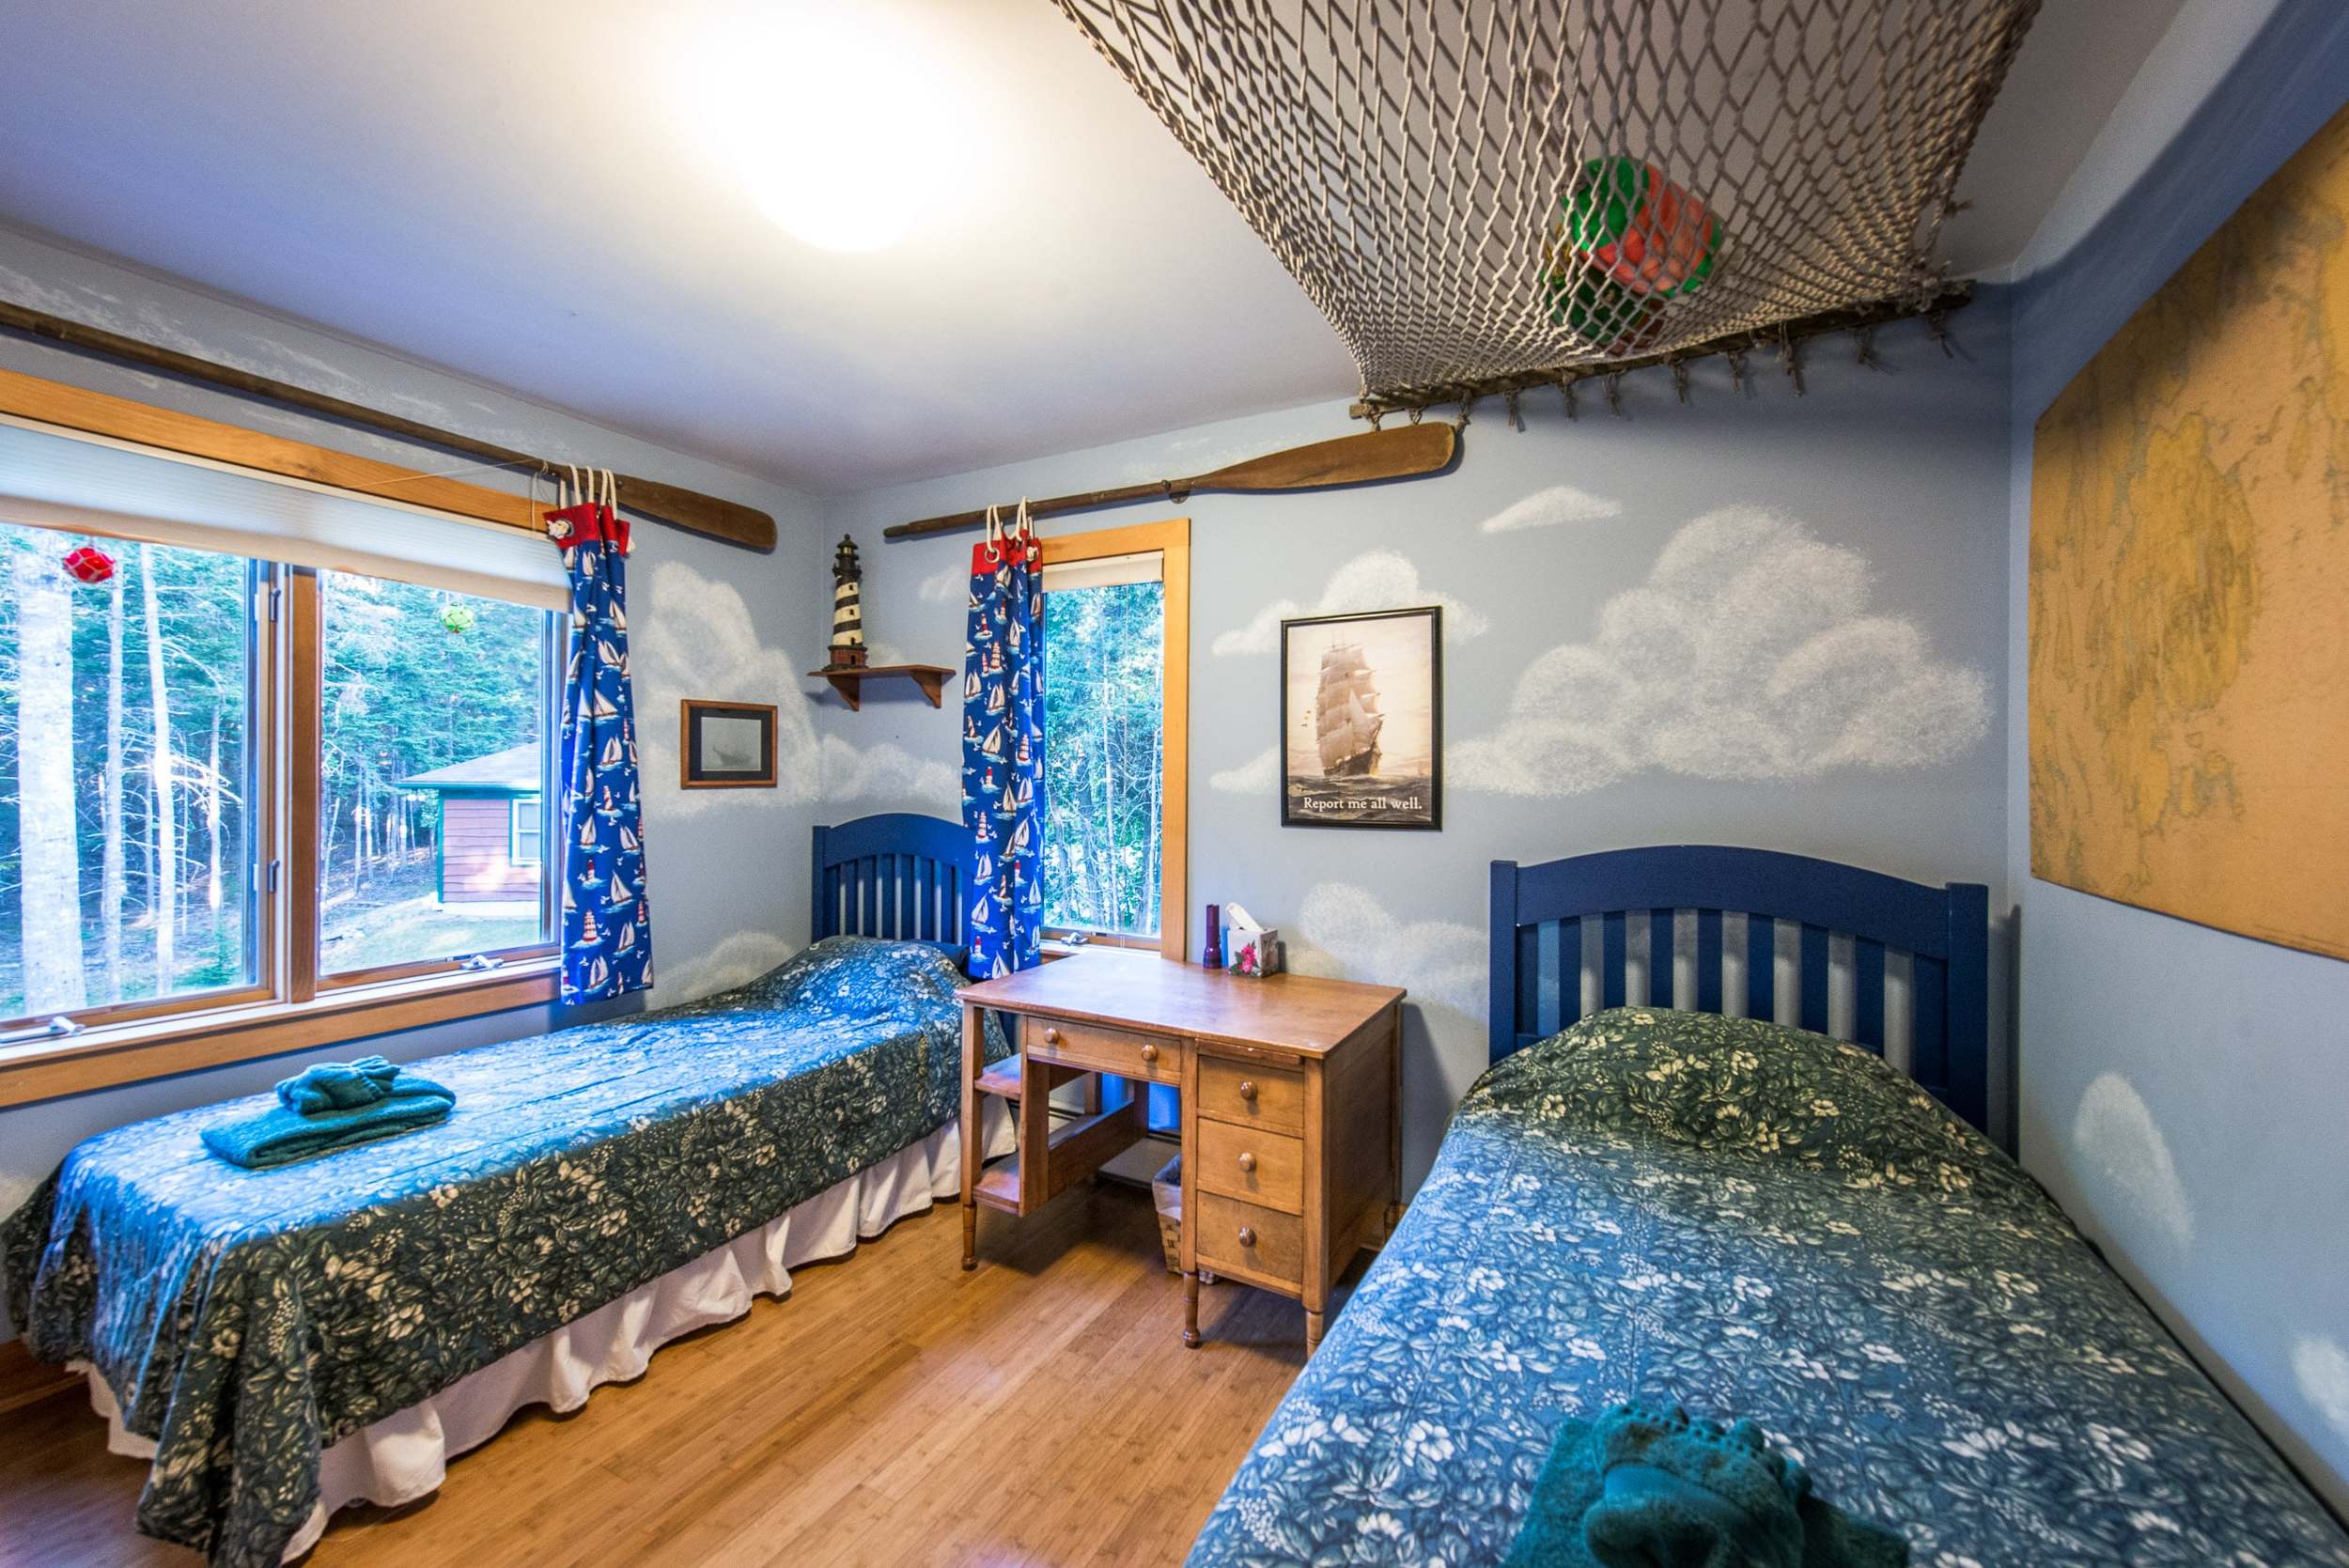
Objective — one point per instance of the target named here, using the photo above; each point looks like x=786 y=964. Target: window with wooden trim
x=1116 y=690
x=432 y=705
x=134 y=741
x=128 y=742
x=272 y=764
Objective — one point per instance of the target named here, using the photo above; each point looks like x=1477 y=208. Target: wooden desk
x=1292 y=1108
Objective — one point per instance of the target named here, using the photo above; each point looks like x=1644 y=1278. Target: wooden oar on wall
x=674 y=504
x=1405 y=452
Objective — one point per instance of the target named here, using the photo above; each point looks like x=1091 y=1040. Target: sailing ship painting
x=1362 y=730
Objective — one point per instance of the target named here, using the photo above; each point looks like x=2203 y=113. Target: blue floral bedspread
x=1754 y=1222
x=245 y=1320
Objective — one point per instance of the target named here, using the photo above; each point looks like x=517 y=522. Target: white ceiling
x=512 y=189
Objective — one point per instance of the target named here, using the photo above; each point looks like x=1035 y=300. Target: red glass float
x=1627 y=240
x=89 y=565
x=1639 y=229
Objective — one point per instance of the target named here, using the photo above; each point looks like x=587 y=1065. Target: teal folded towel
x=1644 y=1487
x=280 y=1137
x=329 y=1106
x=348 y=1085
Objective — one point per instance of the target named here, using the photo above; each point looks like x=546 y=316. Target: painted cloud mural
x=1349 y=934
x=1380 y=579
x=695 y=638
x=2321 y=1367
x=1747 y=654
x=1259 y=775
x=738 y=960
x=944 y=586
x=1548 y=508
x=889 y=772
x=2116 y=1136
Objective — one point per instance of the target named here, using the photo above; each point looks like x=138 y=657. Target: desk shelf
x=1072 y=1153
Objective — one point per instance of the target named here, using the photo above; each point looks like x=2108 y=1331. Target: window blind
x=1107 y=571
x=88 y=484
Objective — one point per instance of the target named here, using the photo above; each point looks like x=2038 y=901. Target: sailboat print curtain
x=1002 y=749
x=607 y=920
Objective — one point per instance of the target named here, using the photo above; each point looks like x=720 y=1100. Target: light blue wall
x=1906 y=469
x=727 y=867
x=2181 y=1089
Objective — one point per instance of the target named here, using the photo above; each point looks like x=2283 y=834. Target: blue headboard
x=896 y=874
x=1538 y=912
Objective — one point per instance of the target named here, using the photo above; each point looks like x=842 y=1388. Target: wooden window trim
x=1170 y=542
x=129 y=1053
x=71 y=408
x=286 y=1008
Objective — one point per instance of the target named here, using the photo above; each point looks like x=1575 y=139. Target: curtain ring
x=994 y=534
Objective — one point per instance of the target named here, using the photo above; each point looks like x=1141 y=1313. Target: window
x=1103 y=754
x=1117 y=641
x=126 y=841
x=432 y=707
x=524 y=830
x=127 y=742
x=271 y=720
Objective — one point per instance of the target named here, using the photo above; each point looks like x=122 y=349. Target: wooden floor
x=894 y=1411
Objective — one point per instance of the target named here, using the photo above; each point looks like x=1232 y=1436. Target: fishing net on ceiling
x=1485 y=195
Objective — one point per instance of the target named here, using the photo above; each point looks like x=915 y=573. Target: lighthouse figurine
x=848 y=609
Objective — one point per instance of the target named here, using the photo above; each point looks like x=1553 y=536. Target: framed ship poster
x=1361 y=719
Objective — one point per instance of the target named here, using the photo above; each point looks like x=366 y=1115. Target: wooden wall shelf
x=849 y=680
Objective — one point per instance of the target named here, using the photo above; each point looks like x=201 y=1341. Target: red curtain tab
x=587 y=523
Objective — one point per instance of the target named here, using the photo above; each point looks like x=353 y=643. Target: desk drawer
x=1244 y=1238
x=1251 y=1094
x=1252 y=1163
x=1123 y=1052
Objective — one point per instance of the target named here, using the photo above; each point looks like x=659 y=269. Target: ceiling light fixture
x=840 y=123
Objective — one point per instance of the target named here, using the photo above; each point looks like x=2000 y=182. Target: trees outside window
x=432 y=709
x=137 y=821
x=125 y=858
x=1104 y=734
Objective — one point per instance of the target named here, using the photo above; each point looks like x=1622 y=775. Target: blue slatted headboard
x=897 y=874
x=1538 y=912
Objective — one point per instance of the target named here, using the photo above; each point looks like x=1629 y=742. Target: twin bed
x=1749 y=1219
x=279 y=1342
x=1754 y=1222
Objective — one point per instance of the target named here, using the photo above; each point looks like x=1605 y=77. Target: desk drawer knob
x=1051 y=1036
x=1246 y=1161
x=1149 y=1053
x=1247 y=1236
x=1247 y=1089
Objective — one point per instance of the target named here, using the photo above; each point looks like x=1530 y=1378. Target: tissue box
x=1252 y=953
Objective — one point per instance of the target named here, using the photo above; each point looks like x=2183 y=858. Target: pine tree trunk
x=49 y=888
x=165 y=896
x=1104 y=879
x=212 y=821
x=112 y=883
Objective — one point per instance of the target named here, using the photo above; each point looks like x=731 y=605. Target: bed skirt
x=405 y=1455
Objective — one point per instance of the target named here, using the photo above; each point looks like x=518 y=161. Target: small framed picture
x=1361 y=719
x=726 y=745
